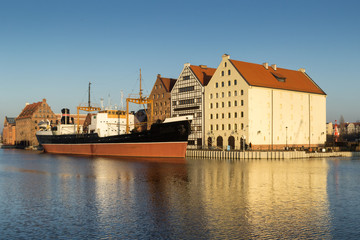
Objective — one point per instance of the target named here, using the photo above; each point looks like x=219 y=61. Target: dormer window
x=279 y=77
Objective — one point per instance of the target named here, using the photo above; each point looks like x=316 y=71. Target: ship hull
x=162 y=140
x=157 y=149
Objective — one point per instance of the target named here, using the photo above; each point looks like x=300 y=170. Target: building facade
x=263 y=107
x=9 y=131
x=28 y=120
x=161 y=94
x=187 y=98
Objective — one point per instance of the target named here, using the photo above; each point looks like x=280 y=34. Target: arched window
x=219 y=142
x=231 y=142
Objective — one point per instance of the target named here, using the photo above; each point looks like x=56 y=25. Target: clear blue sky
x=52 y=49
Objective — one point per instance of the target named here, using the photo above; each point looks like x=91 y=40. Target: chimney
x=302 y=70
x=226 y=56
x=266 y=65
x=203 y=66
x=274 y=67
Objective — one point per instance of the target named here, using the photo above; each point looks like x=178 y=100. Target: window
x=229 y=82
x=229 y=126
x=158 y=96
x=185 y=89
x=217 y=127
x=163 y=95
x=235 y=114
x=242 y=114
x=217 y=95
x=229 y=104
x=242 y=92
x=217 y=116
x=223 y=127
x=222 y=73
x=242 y=102
x=174 y=103
x=186 y=101
x=211 y=127
x=229 y=72
x=235 y=103
x=242 y=126
x=235 y=82
x=229 y=115
x=160 y=86
x=229 y=94
x=216 y=85
x=235 y=126
x=222 y=104
x=198 y=100
x=225 y=64
x=217 y=105
x=235 y=93
x=211 y=96
x=186 y=77
x=222 y=116
x=222 y=84
x=154 y=96
x=211 y=116
x=222 y=94
x=199 y=114
x=211 y=105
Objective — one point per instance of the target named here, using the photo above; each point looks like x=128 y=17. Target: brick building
x=160 y=94
x=27 y=122
x=9 y=131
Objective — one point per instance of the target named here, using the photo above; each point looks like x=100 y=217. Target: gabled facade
x=27 y=122
x=187 y=98
x=161 y=94
x=269 y=107
x=9 y=131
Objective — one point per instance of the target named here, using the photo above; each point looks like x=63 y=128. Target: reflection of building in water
x=264 y=198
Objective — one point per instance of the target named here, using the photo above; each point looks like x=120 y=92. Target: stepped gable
x=203 y=73
x=277 y=78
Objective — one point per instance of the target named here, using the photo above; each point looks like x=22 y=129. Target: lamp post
x=286 y=137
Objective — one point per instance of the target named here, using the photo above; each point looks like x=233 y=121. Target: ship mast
x=140 y=100
x=89 y=108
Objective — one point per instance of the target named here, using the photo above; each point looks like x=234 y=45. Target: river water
x=44 y=196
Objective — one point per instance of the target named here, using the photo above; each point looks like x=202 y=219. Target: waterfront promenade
x=237 y=155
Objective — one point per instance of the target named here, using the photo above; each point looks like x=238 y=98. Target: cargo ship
x=168 y=139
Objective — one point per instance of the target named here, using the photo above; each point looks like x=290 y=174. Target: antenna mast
x=140 y=93
x=89 y=104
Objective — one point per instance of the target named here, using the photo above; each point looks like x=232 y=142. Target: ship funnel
x=65 y=116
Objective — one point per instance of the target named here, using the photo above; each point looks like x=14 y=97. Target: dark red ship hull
x=162 y=140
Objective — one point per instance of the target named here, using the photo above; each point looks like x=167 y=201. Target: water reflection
x=46 y=196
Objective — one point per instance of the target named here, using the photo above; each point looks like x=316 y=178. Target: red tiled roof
x=167 y=82
x=203 y=73
x=258 y=75
x=29 y=110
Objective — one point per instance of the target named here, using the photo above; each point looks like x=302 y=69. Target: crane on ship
x=139 y=100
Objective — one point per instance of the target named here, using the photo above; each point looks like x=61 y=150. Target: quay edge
x=238 y=155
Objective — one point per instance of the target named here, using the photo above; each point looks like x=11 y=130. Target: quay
x=241 y=155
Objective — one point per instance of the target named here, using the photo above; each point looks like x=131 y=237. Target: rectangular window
x=242 y=102
x=198 y=100
x=223 y=127
x=235 y=93
x=229 y=82
x=242 y=114
x=229 y=94
x=217 y=127
x=211 y=95
x=217 y=116
x=235 y=114
x=235 y=103
x=242 y=92
x=222 y=84
x=211 y=105
x=229 y=104
x=186 y=101
x=191 y=142
x=186 y=89
x=217 y=105
x=217 y=95
x=229 y=72
x=223 y=116
x=174 y=103
x=242 y=126
x=235 y=82
x=235 y=126
x=186 y=77
x=216 y=85
x=211 y=127
x=223 y=104
x=229 y=126
x=229 y=115
x=211 y=116
x=222 y=73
